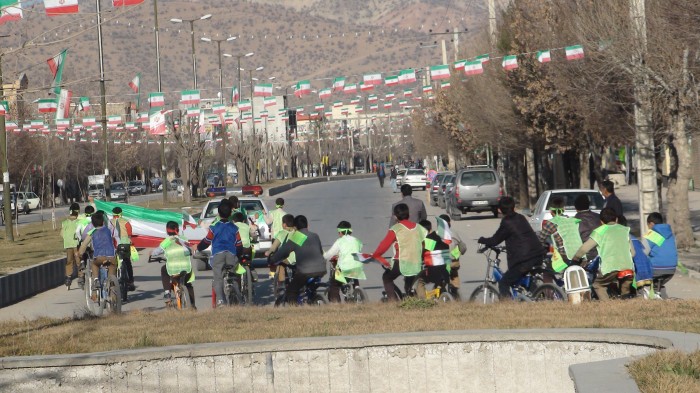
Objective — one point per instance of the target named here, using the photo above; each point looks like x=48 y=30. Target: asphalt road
x=362 y=202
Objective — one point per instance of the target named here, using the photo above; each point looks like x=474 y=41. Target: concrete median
x=28 y=282
x=272 y=191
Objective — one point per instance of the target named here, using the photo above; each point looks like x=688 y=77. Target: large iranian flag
x=574 y=52
x=56 y=65
x=156 y=100
x=407 y=76
x=47 y=105
x=302 y=88
x=157 y=123
x=338 y=83
x=10 y=10
x=122 y=3
x=473 y=67
x=190 y=97
x=438 y=72
x=510 y=62
x=263 y=90
x=373 y=79
x=60 y=7
x=63 y=110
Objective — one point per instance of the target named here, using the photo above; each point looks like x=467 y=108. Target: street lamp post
x=194 y=56
x=163 y=167
x=252 y=98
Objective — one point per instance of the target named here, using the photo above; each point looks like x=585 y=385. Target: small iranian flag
x=114 y=120
x=324 y=93
x=135 y=83
x=258 y=120
x=407 y=76
x=300 y=109
x=60 y=7
x=302 y=88
x=269 y=101
x=318 y=107
x=47 y=105
x=337 y=104
x=354 y=101
x=372 y=98
x=235 y=95
x=475 y=67
x=427 y=89
x=244 y=105
x=510 y=62
x=387 y=105
x=218 y=109
x=328 y=113
x=350 y=89
x=89 y=121
x=263 y=90
x=483 y=58
x=373 y=107
x=373 y=79
x=190 y=97
x=391 y=80
x=359 y=109
x=130 y=125
x=84 y=104
x=366 y=87
x=193 y=112
x=246 y=116
x=10 y=10
x=408 y=93
x=264 y=114
x=544 y=56
x=3 y=108
x=403 y=102
x=142 y=117
x=459 y=64
x=444 y=85
x=438 y=72
x=11 y=126
x=390 y=96
x=157 y=123
x=56 y=65
x=574 y=52
x=156 y=100
x=36 y=124
x=344 y=111
x=339 y=83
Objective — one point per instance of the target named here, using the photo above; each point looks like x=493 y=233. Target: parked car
x=22 y=205
x=447 y=181
x=156 y=184
x=435 y=186
x=96 y=191
x=33 y=200
x=176 y=184
x=416 y=178
x=476 y=189
x=137 y=187
x=117 y=191
x=540 y=213
x=255 y=208
x=334 y=171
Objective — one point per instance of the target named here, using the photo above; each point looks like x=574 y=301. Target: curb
x=35 y=279
x=272 y=191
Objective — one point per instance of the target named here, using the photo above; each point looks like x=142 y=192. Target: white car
x=33 y=200
x=541 y=212
x=416 y=178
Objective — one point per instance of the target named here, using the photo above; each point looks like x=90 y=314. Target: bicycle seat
x=622 y=274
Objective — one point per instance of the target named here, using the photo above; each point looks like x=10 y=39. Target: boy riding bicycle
x=436 y=258
x=177 y=255
x=340 y=255
x=103 y=242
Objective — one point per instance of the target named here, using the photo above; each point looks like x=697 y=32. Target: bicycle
x=530 y=287
x=107 y=291
x=436 y=294
x=178 y=287
x=350 y=292
x=238 y=285
x=310 y=293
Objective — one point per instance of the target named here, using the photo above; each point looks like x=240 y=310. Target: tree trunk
x=531 y=177
x=186 y=180
x=584 y=170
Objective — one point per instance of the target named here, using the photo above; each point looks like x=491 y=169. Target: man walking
x=381 y=174
x=611 y=200
x=416 y=208
x=393 y=175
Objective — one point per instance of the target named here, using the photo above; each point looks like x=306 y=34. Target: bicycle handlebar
x=498 y=249
x=152 y=259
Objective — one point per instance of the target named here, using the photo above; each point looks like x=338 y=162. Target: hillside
x=301 y=39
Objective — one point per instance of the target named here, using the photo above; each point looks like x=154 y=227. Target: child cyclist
x=102 y=240
x=177 y=255
x=436 y=257
x=70 y=244
x=344 y=263
x=287 y=230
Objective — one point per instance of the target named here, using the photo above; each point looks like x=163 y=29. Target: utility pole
x=6 y=195
x=644 y=141
x=163 y=167
x=103 y=100
x=452 y=160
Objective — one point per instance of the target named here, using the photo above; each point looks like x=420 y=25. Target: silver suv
x=476 y=189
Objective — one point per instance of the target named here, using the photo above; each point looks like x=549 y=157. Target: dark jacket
x=613 y=202
x=589 y=221
x=309 y=255
x=521 y=241
x=416 y=210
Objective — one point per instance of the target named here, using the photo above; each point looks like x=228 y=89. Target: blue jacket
x=663 y=256
x=223 y=236
x=642 y=265
x=102 y=242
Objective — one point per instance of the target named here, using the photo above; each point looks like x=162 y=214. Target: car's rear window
x=595 y=198
x=438 y=178
x=249 y=206
x=478 y=178
x=414 y=172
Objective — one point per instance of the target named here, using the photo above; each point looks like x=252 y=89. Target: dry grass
x=668 y=372
x=141 y=329
x=35 y=243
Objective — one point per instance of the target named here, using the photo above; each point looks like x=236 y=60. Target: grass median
x=145 y=329
x=36 y=242
x=668 y=372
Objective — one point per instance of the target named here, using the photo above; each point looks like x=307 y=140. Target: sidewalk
x=630 y=201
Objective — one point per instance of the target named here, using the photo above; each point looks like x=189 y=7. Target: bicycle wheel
x=183 y=301
x=247 y=287
x=485 y=293
x=114 y=298
x=445 y=297
x=548 y=292
x=93 y=306
x=317 y=300
x=123 y=284
x=359 y=296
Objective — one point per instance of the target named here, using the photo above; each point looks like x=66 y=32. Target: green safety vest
x=177 y=256
x=282 y=237
x=244 y=230
x=410 y=243
x=83 y=222
x=68 y=228
x=655 y=237
x=347 y=264
x=567 y=228
x=613 y=247
x=277 y=215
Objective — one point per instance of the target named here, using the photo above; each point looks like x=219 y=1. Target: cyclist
x=226 y=247
x=340 y=255
x=436 y=257
x=457 y=249
x=281 y=238
x=123 y=230
x=177 y=255
x=83 y=222
x=662 y=248
x=309 y=257
x=244 y=229
x=274 y=218
x=616 y=252
x=563 y=234
x=70 y=243
x=523 y=248
x=103 y=241
x=590 y=220
x=407 y=238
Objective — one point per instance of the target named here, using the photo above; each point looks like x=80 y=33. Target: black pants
x=388 y=279
x=297 y=283
x=334 y=289
x=381 y=181
x=125 y=256
x=166 y=280
x=514 y=274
